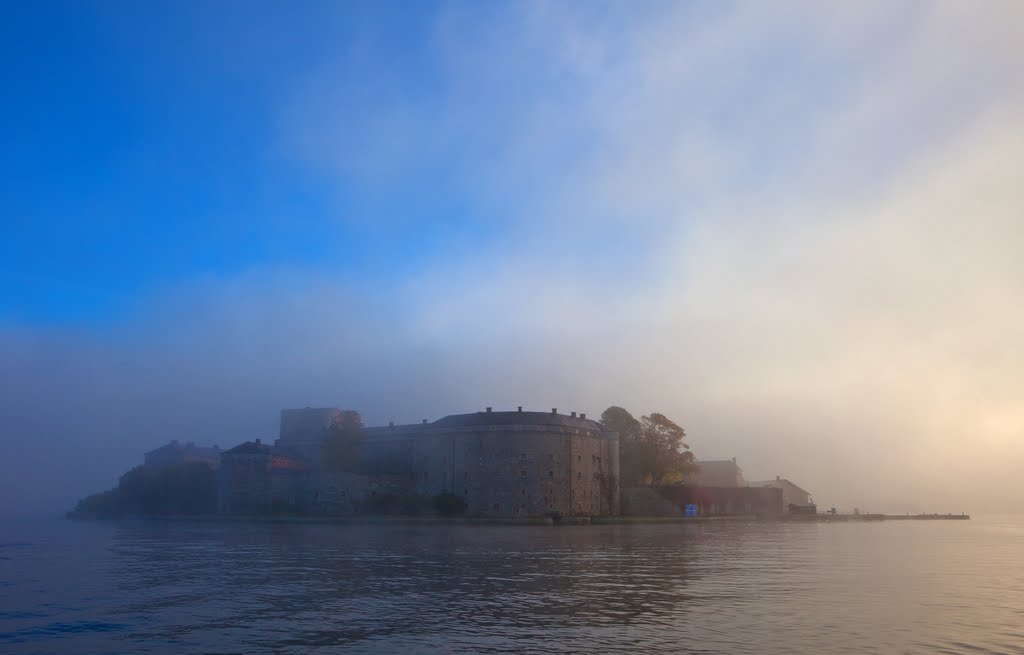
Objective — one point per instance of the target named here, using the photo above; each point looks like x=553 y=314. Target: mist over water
x=794 y=231
x=765 y=588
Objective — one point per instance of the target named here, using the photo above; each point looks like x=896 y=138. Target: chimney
x=519 y=409
x=424 y=421
x=554 y=410
x=391 y=424
x=488 y=410
x=574 y=414
x=778 y=477
x=582 y=415
x=733 y=460
x=257 y=442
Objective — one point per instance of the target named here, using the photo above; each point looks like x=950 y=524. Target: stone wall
x=505 y=473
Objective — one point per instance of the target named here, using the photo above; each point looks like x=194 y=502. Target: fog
x=795 y=231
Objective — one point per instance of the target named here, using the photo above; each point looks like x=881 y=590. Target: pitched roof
x=772 y=483
x=248 y=448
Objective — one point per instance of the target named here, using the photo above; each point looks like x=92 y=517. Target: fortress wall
x=505 y=472
x=505 y=464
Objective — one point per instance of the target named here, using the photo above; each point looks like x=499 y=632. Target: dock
x=827 y=517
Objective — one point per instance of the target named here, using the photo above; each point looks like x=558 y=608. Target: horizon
x=791 y=229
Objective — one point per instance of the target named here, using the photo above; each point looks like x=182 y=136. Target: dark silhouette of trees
x=652 y=450
x=189 y=488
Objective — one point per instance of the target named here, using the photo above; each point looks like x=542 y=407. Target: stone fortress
x=505 y=464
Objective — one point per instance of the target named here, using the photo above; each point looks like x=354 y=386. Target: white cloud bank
x=795 y=230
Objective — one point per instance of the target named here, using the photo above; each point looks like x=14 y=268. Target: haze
x=795 y=229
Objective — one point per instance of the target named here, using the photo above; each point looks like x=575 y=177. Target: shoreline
x=527 y=521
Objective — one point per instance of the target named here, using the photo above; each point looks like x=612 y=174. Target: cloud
x=791 y=228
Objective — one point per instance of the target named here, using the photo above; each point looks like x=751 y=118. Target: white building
x=791 y=493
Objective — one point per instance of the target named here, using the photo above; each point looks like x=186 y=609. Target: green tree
x=652 y=450
x=619 y=420
x=670 y=459
x=343 y=447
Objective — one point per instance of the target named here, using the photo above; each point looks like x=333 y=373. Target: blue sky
x=142 y=148
x=793 y=228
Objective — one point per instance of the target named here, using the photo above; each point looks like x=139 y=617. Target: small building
x=718 y=473
x=795 y=499
x=175 y=452
x=258 y=478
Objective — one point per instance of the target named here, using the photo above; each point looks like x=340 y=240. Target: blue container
x=689 y=510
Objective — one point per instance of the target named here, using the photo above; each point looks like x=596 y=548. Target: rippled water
x=154 y=587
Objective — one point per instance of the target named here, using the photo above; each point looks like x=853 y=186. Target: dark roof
x=190 y=447
x=248 y=448
x=489 y=419
x=770 y=483
x=253 y=448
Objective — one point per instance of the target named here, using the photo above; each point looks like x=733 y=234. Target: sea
x=717 y=587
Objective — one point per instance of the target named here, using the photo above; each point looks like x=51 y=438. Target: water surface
x=158 y=587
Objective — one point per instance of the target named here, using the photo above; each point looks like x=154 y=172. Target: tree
x=669 y=459
x=188 y=488
x=343 y=447
x=652 y=450
x=619 y=420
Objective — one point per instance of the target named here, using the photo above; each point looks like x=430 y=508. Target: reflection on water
x=914 y=587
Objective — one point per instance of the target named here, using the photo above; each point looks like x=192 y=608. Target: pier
x=828 y=517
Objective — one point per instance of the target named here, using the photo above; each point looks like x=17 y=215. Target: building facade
x=718 y=473
x=502 y=464
x=794 y=499
x=258 y=478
